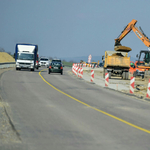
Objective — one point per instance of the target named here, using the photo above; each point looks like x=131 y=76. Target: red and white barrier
x=81 y=73
x=76 y=70
x=148 y=90
x=84 y=65
x=92 y=75
x=132 y=81
x=72 y=67
x=106 y=79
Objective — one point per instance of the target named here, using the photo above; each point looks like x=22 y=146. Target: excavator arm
x=126 y=30
x=139 y=33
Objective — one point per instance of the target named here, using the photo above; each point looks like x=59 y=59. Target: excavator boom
x=138 y=32
x=126 y=30
x=141 y=36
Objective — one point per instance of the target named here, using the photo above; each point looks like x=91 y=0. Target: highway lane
x=85 y=116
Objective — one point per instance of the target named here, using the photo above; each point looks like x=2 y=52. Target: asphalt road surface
x=61 y=112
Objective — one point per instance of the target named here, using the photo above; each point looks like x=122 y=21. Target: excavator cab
x=144 y=57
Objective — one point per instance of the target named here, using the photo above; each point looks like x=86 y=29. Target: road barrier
x=76 y=70
x=106 y=79
x=93 y=66
x=84 y=65
x=148 y=90
x=7 y=65
x=132 y=81
x=92 y=75
x=81 y=73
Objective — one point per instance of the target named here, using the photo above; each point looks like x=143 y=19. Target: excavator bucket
x=122 y=48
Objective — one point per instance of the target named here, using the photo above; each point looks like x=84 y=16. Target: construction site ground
x=118 y=84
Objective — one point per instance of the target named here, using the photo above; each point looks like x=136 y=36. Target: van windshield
x=23 y=56
x=43 y=59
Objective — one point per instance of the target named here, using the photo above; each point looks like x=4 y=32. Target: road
x=53 y=112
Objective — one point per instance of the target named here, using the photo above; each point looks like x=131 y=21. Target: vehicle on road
x=26 y=56
x=44 y=62
x=55 y=67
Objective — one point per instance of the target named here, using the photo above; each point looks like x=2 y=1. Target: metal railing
x=7 y=65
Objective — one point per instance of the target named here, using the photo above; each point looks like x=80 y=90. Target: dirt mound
x=5 y=57
x=122 y=48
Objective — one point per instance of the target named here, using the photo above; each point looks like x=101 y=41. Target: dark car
x=55 y=67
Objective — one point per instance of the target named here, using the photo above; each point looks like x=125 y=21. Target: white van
x=44 y=61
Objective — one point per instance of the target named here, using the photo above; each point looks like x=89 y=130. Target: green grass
x=67 y=64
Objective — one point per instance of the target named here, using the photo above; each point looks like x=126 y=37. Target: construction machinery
x=137 y=72
x=116 y=63
x=117 y=67
x=144 y=55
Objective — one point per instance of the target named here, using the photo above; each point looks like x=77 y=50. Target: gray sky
x=70 y=28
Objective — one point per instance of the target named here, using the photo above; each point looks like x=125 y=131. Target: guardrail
x=7 y=65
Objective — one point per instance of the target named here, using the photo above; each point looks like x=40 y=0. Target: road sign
x=89 y=58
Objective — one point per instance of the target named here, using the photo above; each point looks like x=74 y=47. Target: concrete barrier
x=7 y=65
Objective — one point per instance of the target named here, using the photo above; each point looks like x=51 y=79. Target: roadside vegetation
x=67 y=64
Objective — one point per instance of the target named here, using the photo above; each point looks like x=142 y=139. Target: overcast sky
x=69 y=28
